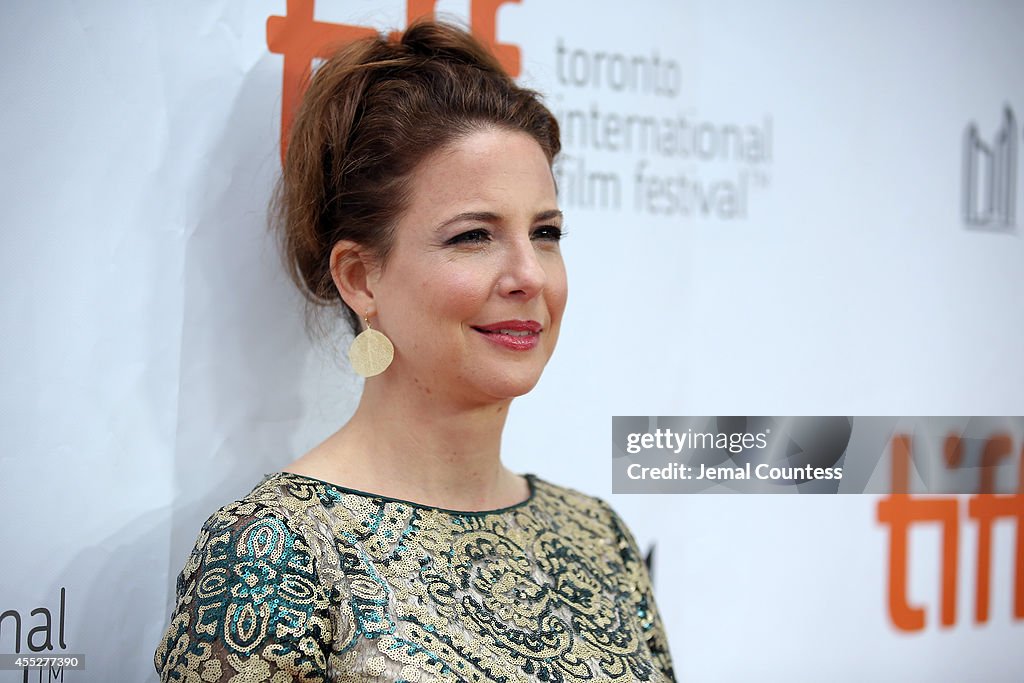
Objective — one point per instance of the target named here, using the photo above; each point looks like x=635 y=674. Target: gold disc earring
x=371 y=352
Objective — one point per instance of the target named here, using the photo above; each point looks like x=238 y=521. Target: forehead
x=500 y=171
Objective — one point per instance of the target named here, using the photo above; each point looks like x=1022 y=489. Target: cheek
x=557 y=289
x=455 y=292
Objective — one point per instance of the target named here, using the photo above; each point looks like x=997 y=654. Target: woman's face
x=474 y=287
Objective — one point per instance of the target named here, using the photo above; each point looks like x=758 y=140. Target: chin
x=513 y=387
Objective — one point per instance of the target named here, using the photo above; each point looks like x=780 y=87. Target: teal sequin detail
x=312 y=582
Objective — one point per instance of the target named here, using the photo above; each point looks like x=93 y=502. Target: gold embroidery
x=304 y=580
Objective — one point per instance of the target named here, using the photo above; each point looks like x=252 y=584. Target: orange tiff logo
x=900 y=511
x=301 y=39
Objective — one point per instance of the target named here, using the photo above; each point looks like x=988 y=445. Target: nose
x=523 y=273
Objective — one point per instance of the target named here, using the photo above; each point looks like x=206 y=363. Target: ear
x=354 y=271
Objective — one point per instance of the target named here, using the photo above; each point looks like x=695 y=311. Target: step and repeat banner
x=788 y=208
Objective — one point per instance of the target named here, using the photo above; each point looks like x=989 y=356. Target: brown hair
x=370 y=115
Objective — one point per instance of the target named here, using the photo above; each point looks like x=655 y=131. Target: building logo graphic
x=37 y=636
x=990 y=176
x=301 y=38
x=900 y=511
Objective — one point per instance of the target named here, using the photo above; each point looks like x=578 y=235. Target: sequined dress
x=302 y=580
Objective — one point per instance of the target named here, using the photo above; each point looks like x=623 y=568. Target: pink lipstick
x=518 y=335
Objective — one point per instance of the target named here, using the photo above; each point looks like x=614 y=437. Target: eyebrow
x=488 y=217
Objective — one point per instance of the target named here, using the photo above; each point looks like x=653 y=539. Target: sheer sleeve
x=250 y=605
x=647 y=610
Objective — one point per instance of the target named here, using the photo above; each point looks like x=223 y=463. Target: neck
x=416 y=446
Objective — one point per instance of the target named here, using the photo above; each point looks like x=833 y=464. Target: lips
x=517 y=335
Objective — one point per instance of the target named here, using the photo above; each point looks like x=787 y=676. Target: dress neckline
x=530 y=481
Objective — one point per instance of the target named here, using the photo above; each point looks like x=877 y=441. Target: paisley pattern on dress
x=303 y=580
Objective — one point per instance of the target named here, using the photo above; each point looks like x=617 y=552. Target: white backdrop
x=795 y=246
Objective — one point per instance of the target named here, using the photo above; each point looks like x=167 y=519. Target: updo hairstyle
x=370 y=115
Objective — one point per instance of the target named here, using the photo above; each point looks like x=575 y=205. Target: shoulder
x=545 y=491
x=287 y=496
x=572 y=497
x=600 y=517
x=249 y=596
x=267 y=515
x=272 y=530
x=264 y=515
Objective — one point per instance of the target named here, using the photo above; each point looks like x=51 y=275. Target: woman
x=418 y=195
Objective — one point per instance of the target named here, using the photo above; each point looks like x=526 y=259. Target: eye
x=477 y=236
x=548 y=232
